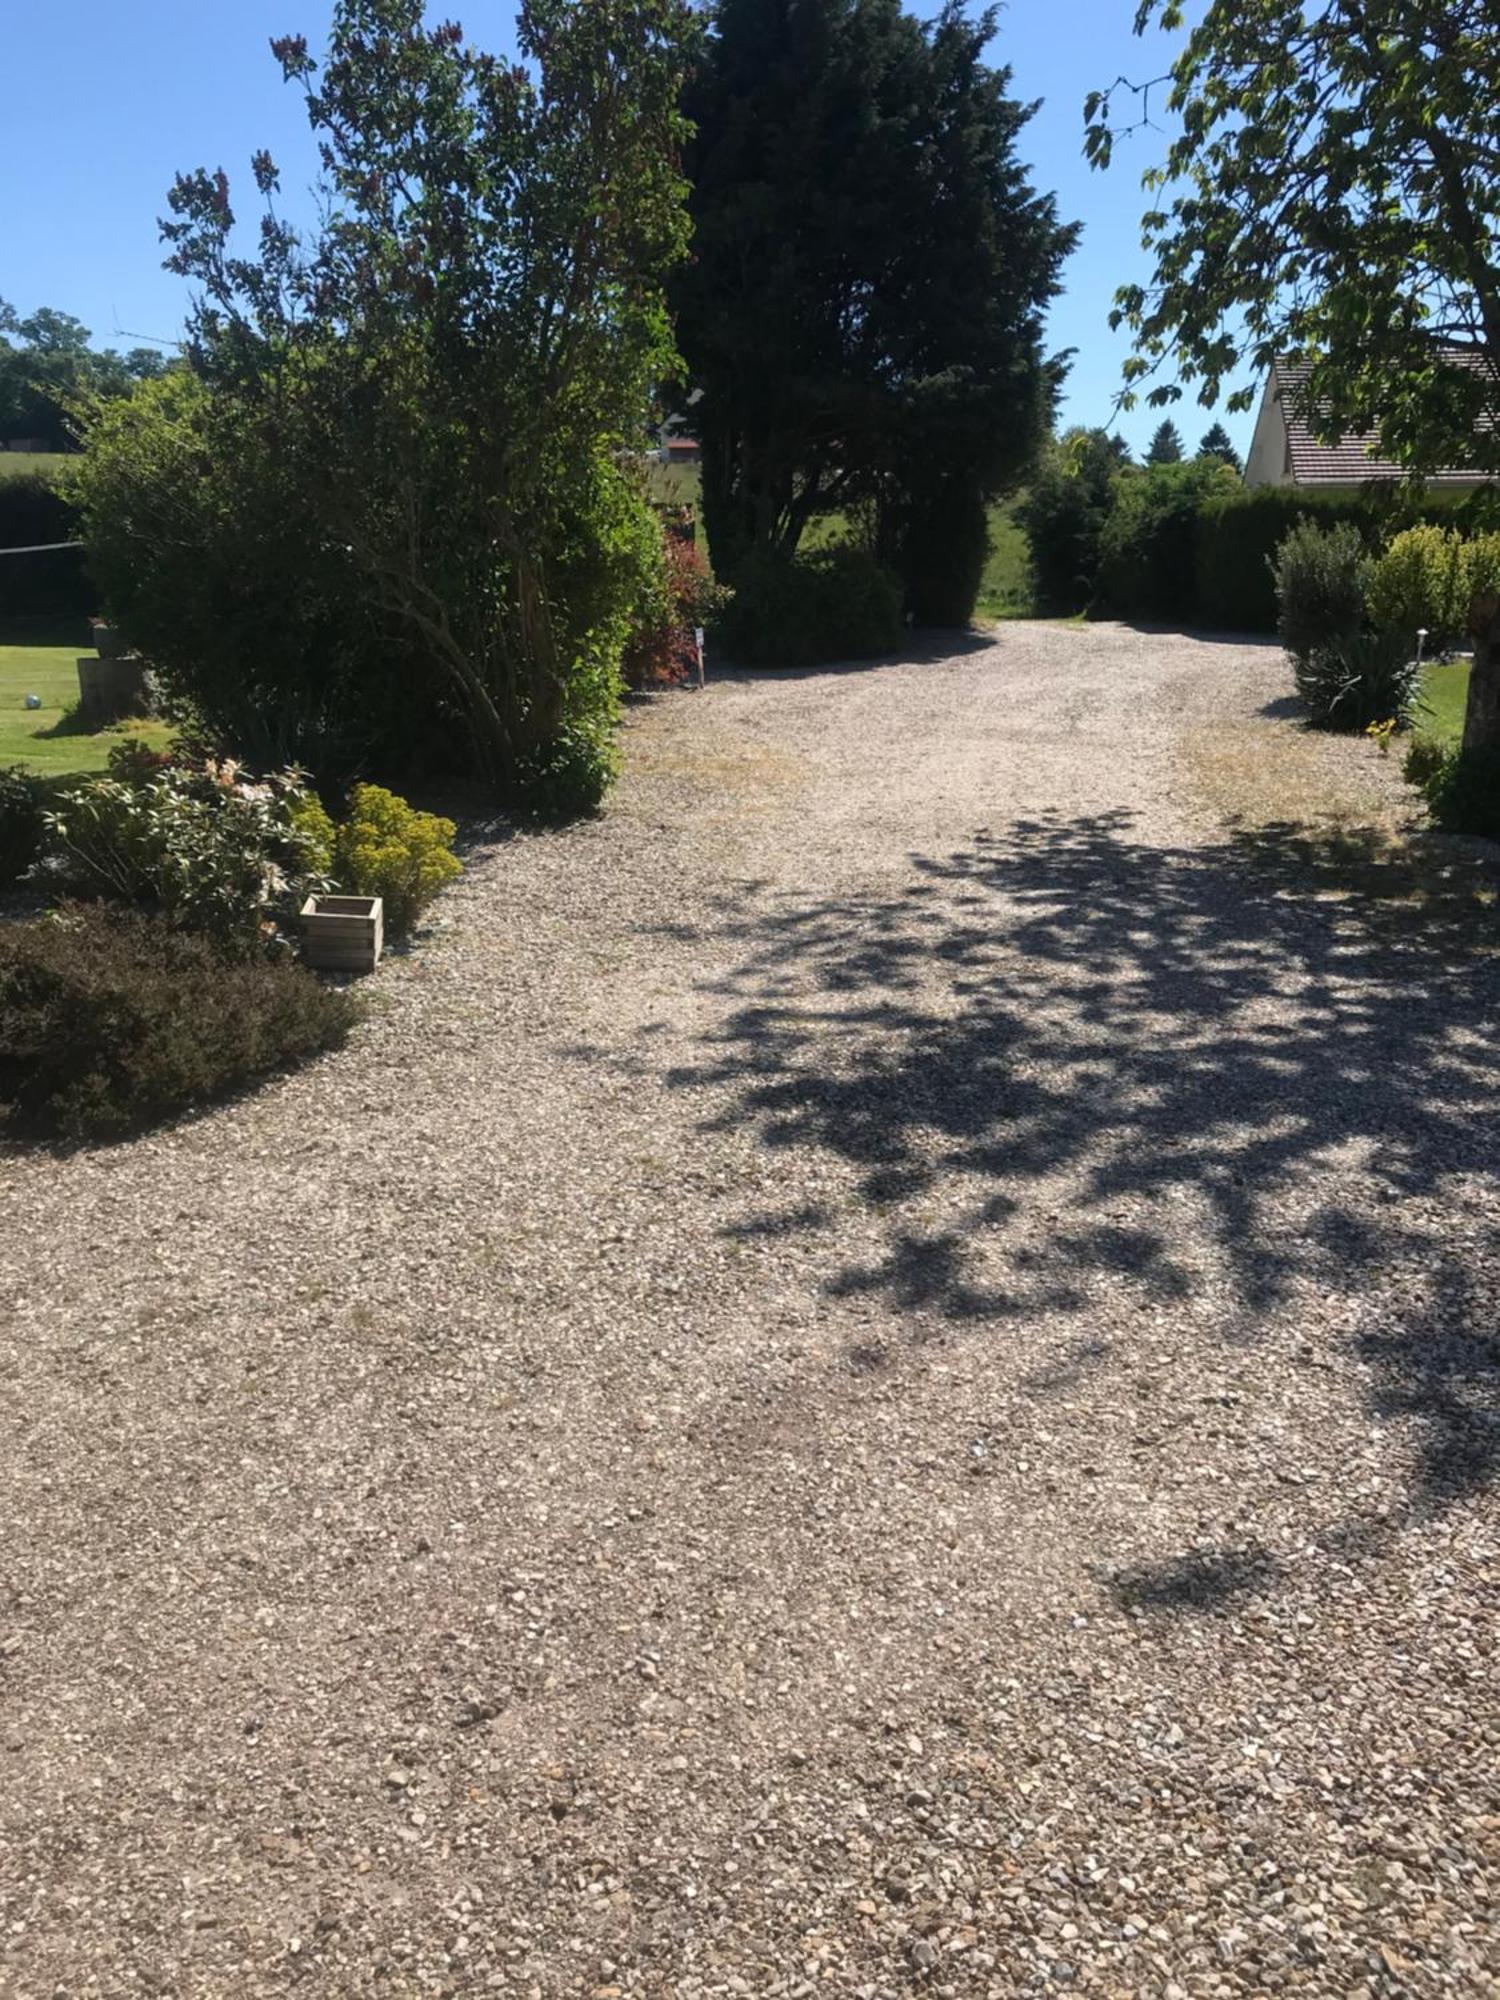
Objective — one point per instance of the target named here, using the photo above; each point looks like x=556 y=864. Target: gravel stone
x=877 y=1373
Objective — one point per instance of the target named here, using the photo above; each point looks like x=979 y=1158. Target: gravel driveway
x=878 y=1374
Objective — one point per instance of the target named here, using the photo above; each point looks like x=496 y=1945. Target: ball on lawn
x=33 y=701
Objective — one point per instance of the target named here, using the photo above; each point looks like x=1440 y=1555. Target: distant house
x=680 y=451
x=1283 y=451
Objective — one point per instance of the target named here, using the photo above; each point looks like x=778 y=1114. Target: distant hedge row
x=1188 y=545
x=56 y=583
x=1236 y=535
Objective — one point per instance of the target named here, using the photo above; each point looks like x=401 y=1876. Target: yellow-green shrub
x=387 y=848
x=1484 y=568
x=1421 y=581
x=311 y=820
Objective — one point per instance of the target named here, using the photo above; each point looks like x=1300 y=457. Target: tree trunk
x=1482 y=715
x=723 y=509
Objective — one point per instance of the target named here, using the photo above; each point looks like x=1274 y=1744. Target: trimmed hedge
x=1239 y=533
x=806 y=610
x=54 y=584
x=1146 y=567
x=111 y=1019
x=1185 y=545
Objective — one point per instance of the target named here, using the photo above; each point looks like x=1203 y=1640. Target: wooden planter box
x=343 y=933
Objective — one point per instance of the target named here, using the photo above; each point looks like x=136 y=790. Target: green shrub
x=568 y=776
x=110 y=1019
x=21 y=822
x=316 y=830
x=209 y=848
x=204 y=536
x=1063 y=516
x=1420 y=581
x=1146 y=565
x=1483 y=572
x=829 y=604
x=387 y=848
x=1237 y=538
x=943 y=541
x=1239 y=531
x=136 y=763
x=1461 y=787
x=1359 y=678
x=1424 y=758
x=1320 y=588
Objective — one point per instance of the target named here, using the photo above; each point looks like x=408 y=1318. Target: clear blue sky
x=101 y=113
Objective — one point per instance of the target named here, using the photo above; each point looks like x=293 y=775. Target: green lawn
x=1445 y=689
x=1005 y=589
x=14 y=463
x=42 y=658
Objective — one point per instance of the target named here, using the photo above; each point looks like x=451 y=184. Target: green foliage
x=21 y=823
x=1425 y=758
x=315 y=829
x=1321 y=580
x=135 y=762
x=1421 y=582
x=1064 y=515
x=1240 y=529
x=204 y=538
x=567 y=777
x=1146 y=545
x=1319 y=195
x=111 y=1019
x=46 y=364
x=1331 y=197
x=434 y=392
x=858 y=167
x=939 y=534
x=1461 y=787
x=209 y=849
x=1007 y=588
x=1484 y=571
x=830 y=604
x=1165 y=447
x=1234 y=550
x=33 y=514
x=1354 y=679
x=387 y=848
x=1235 y=538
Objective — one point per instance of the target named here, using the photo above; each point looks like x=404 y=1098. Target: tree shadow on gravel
x=1200 y=1580
x=1060 y=1058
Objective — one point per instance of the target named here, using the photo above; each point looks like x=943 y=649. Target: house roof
x=1355 y=457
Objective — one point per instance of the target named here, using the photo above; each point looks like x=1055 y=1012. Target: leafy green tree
x=1147 y=547
x=46 y=364
x=863 y=309
x=1217 y=443
x=1334 y=195
x=204 y=538
x=1165 y=447
x=464 y=351
x=1064 y=514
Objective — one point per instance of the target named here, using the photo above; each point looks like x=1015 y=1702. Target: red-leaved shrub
x=663 y=652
